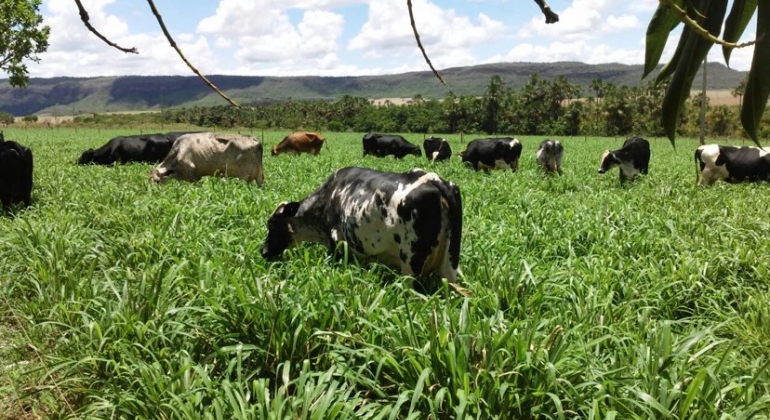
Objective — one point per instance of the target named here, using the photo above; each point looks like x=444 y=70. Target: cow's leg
x=707 y=177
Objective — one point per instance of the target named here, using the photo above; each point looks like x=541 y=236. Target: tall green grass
x=124 y=299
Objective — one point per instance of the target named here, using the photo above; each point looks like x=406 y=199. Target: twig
x=701 y=30
x=550 y=16
x=85 y=18
x=419 y=44
x=175 y=47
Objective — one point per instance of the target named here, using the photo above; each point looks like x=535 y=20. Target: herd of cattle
x=408 y=221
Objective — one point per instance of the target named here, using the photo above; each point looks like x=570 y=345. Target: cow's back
x=16 y=167
x=409 y=220
x=196 y=155
x=745 y=163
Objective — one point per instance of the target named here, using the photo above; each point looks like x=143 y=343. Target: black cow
x=493 y=153
x=382 y=145
x=409 y=221
x=15 y=173
x=549 y=155
x=633 y=158
x=436 y=149
x=730 y=163
x=147 y=148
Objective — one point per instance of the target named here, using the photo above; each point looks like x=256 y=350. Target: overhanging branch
x=419 y=43
x=550 y=16
x=86 y=21
x=178 y=51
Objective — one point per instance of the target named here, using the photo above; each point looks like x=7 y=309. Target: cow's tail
x=698 y=153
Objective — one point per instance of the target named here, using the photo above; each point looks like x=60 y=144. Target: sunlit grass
x=590 y=300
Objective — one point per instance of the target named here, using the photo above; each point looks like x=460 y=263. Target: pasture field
x=123 y=299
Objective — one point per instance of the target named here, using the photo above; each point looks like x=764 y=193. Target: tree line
x=541 y=107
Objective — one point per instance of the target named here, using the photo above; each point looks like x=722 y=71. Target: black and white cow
x=409 y=221
x=382 y=145
x=493 y=153
x=15 y=173
x=633 y=158
x=730 y=163
x=146 y=148
x=549 y=155
x=436 y=149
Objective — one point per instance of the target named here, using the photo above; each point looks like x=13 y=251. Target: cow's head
x=86 y=157
x=280 y=230
x=274 y=151
x=609 y=161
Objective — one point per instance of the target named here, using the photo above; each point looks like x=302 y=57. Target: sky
x=344 y=37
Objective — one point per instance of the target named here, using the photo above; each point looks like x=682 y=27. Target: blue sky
x=344 y=37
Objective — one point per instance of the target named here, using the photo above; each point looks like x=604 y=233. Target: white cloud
x=223 y=43
x=620 y=23
x=583 y=19
x=266 y=39
x=580 y=50
x=447 y=36
x=646 y=6
x=74 y=51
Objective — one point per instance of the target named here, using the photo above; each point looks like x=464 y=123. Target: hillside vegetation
x=72 y=95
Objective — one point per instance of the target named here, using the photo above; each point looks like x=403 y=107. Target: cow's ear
x=287 y=209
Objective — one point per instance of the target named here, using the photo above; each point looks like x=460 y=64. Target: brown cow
x=301 y=142
x=196 y=155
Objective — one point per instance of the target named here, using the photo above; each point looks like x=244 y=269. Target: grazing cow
x=15 y=173
x=194 y=156
x=146 y=148
x=410 y=221
x=303 y=142
x=549 y=155
x=733 y=164
x=382 y=145
x=176 y=134
x=633 y=158
x=436 y=149
x=493 y=153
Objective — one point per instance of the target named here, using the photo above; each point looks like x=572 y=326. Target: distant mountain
x=72 y=95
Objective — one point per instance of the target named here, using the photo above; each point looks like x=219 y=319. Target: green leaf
x=669 y=68
x=758 y=86
x=695 y=49
x=737 y=20
x=663 y=21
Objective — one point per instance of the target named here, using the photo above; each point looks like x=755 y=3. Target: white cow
x=196 y=155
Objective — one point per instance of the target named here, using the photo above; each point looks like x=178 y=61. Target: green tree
x=494 y=97
x=22 y=37
x=451 y=111
x=740 y=89
x=6 y=118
